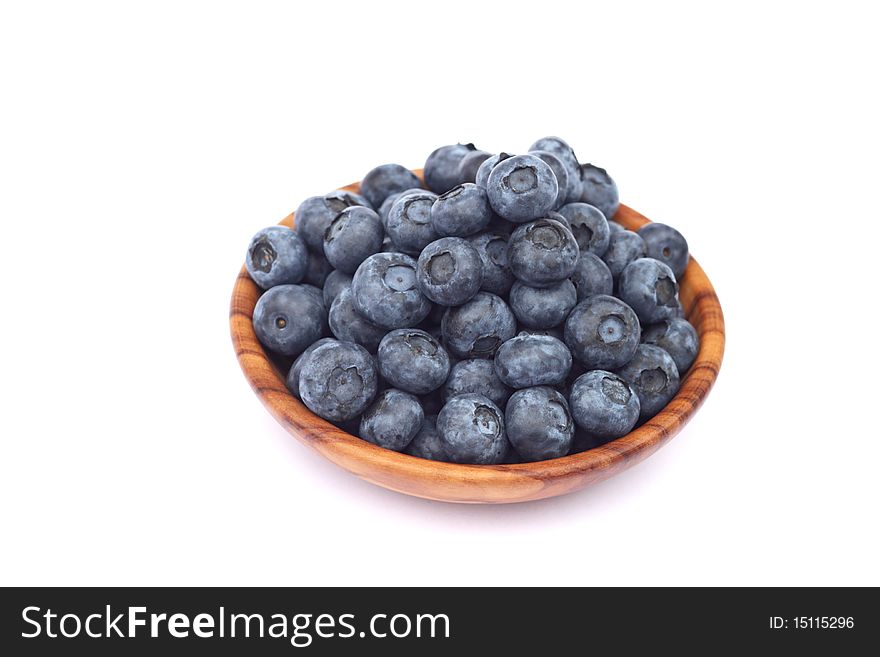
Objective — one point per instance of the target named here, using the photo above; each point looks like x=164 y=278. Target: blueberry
x=566 y=155
x=318 y=270
x=338 y=381
x=463 y=210
x=623 y=247
x=387 y=179
x=482 y=177
x=542 y=253
x=333 y=285
x=532 y=360
x=652 y=374
x=667 y=245
x=522 y=188
x=559 y=171
x=409 y=222
x=492 y=249
x=427 y=443
x=477 y=328
x=387 y=204
x=393 y=420
x=354 y=234
x=347 y=324
x=589 y=227
x=538 y=423
x=678 y=338
x=602 y=332
x=648 y=287
x=542 y=308
x=276 y=256
x=476 y=376
x=441 y=167
x=472 y=430
x=288 y=318
x=314 y=215
x=615 y=227
x=413 y=361
x=449 y=271
x=591 y=276
x=470 y=164
x=604 y=405
x=385 y=291
x=296 y=368
x=599 y=190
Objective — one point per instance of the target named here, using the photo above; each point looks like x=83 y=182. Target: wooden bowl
x=487 y=484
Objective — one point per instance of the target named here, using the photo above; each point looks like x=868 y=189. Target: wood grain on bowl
x=486 y=483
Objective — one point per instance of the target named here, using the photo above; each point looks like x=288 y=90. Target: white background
x=144 y=143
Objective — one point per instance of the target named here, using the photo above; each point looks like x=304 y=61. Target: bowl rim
x=394 y=469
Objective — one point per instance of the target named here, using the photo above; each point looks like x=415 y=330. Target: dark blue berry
x=649 y=287
x=347 y=324
x=333 y=285
x=653 y=375
x=532 y=360
x=296 y=368
x=602 y=332
x=413 y=360
x=542 y=308
x=522 y=188
x=463 y=210
x=276 y=256
x=477 y=328
x=591 y=276
x=442 y=167
x=667 y=245
x=386 y=293
x=624 y=246
x=387 y=204
x=598 y=189
x=472 y=430
x=353 y=235
x=492 y=249
x=314 y=215
x=409 y=222
x=542 y=253
x=482 y=177
x=385 y=180
x=449 y=271
x=470 y=164
x=538 y=424
x=393 y=420
x=559 y=171
x=476 y=376
x=604 y=405
x=566 y=155
x=288 y=318
x=338 y=381
x=589 y=227
x=678 y=338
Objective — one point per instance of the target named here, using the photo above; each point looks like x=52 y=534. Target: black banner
x=167 y=621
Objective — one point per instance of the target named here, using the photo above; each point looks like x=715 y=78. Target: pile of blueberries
x=492 y=314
